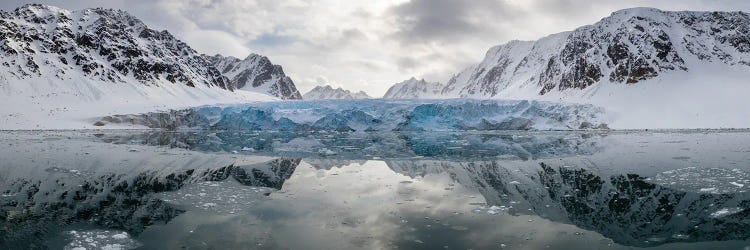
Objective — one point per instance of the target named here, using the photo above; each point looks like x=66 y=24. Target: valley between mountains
x=646 y=68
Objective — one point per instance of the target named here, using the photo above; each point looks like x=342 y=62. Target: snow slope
x=60 y=68
x=655 y=69
x=328 y=92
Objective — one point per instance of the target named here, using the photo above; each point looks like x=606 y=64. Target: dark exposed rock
x=113 y=46
x=630 y=46
x=128 y=47
x=256 y=71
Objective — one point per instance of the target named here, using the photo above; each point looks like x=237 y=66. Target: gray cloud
x=406 y=63
x=369 y=45
x=447 y=20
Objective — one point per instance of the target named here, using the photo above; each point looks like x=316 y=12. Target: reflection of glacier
x=358 y=146
x=626 y=208
x=376 y=115
x=39 y=198
x=57 y=181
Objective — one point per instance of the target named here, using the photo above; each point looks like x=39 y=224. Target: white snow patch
x=726 y=211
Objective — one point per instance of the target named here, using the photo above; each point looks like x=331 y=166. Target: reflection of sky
x=355 y=203
x=367 y=205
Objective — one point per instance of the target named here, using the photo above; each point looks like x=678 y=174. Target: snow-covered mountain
x=328 y=92
x=654 y=68
x=414 y=89
x=256 y=73
x=628 y=47
x=59 y=68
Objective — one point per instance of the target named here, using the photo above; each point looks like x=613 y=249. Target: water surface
x=512 y=190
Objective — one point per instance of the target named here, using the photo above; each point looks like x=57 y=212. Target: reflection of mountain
x=39 y=199
x=625 y=208
x=329 y=164
x=358 y=146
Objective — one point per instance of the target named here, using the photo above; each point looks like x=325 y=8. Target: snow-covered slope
x=657 y=69
x=59 y=68
x=628 y=47
x=328 y=92
x=414 y=89
x=256 y=73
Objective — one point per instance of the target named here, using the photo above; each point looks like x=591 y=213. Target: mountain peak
x=106 y=45
x=37 y=7
x=39 y=11
x=328 y=92
x=413 y=88
x=630 y=46
x=253 y=56
x=107 y=57
x=256 y=73
x=637 y=11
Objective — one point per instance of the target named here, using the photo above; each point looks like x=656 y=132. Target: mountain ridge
x=328 y=92
x=256 y=73
x=629 y=46
x=61 y=67
x=413 y=88
x=650 y=68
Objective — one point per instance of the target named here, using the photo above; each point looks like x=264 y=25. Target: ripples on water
x=530 y=190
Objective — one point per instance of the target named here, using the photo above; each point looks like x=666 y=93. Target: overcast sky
x=370 y=44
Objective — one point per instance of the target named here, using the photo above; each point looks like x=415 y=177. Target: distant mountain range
x=414 y=89
x=328 y=92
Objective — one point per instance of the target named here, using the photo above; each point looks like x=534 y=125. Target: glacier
x=373 y=115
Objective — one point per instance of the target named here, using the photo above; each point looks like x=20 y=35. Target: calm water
x=540 y=190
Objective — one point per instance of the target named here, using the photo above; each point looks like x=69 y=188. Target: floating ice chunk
x=246 y=149
x=726 y=211
x=680 y=236
x=326 y=152
x=101 y=239
x=223 y=197
x=210 y=204
x=704 y=180
x=120 y=236
x=113 y=247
